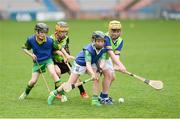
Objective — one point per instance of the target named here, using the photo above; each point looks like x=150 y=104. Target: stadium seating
x=152 y=6
x=122 y=5
x=74 y=7
x=96 y=5
x=28 y=5
x=23 y=5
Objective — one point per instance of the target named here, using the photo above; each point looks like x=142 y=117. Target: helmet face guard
x=98 y=39
x=114 y=29
x=41 y=28
x=61 y=30
x=98 y=35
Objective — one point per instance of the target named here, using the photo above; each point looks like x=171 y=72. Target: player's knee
x=113 y=78
x=58 y=71
x=53 y=73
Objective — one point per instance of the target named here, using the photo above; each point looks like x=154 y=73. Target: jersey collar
x=97 y=51
x=40 y=42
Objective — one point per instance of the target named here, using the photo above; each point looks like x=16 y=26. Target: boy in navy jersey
x=85 y=62
x=42 y=47
x=114 y=44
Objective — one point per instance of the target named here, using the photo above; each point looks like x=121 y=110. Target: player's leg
x=108 y=73
x=52 y=72
x=95 y=90
x=30 y=85
x=77 y=70
x=57 y=81
x=57 y=84
x=65 y=69
x=82 y=91
x=58 y=70
x=72 y=79
x=95 y=100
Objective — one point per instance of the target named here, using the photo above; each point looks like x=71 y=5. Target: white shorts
x=78 y=69
x=109 y=65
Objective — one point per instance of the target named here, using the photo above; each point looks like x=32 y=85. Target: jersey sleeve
x=27 y=45
x=88 y=57
x=117 y=51
x=108 y=45
x=56 y=46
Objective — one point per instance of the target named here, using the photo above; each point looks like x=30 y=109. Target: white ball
x=121 y=100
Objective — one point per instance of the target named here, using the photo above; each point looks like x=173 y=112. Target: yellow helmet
x=114 y=25
x=61 y=26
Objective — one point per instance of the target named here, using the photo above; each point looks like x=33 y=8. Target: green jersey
x=116 y=45
x=59 y=45
x=88 y=56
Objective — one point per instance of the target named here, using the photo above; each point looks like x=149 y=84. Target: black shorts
x=63 y=67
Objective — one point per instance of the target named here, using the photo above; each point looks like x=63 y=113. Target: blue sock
x=103 y=95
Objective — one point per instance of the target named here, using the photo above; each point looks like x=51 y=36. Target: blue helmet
x=97 y=35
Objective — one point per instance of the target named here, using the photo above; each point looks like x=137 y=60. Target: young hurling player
x=61 y=38
x=86 y=62
x=42 y=47
x=114 y=44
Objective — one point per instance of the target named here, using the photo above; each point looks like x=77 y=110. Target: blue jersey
x=116 y=45
x=80 y=59
x=42 y=51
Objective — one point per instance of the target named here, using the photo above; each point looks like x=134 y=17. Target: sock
x=57 y=83
x=28 y=89
x=103 y=95
x=55 y=92
x=81 y=89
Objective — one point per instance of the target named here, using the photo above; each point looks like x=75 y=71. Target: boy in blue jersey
x=85 y=62
x=42 y=47
x=61 y=38
x=114 y=44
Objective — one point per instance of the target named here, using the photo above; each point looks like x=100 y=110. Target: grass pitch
x=151 y=49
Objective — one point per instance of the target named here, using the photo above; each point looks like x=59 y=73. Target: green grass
x=151 y=49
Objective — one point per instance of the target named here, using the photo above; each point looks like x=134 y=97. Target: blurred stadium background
x=50 y=10
x=152 y=50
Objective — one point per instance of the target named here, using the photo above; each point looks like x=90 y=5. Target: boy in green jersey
x=61 y=38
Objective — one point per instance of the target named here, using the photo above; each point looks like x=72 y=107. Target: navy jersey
x=42 y=51
x=80 y=59
x=116 y=46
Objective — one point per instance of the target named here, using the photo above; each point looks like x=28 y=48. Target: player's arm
x=61 y=54
x=58 y=50
x=65 y=45
x=88 y=59
x=102 y=61
x=117 y=53
x=120 y=66
x=26 y=47
x=69 y=57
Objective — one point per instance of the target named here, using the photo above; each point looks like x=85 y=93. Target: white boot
x=23 y=96
x=63 y=98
